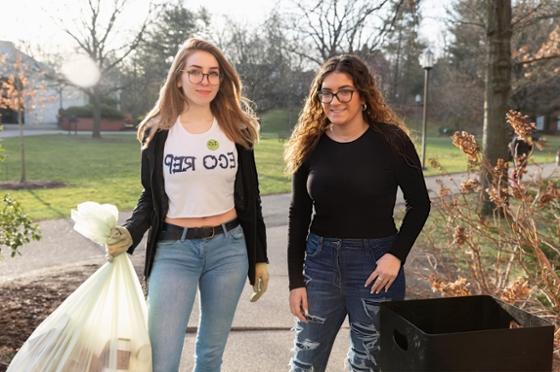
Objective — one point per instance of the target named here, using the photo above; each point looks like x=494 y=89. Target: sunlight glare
x=81 y=70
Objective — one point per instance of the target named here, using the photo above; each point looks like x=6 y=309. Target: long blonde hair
x=313 y=122
x=229 y=107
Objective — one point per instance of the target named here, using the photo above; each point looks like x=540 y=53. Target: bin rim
x=544 y=323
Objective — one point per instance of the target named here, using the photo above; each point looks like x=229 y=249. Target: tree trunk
x=23 y=177
x=96 y=101
x=498 y=88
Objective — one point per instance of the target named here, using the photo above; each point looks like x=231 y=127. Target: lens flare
x=81 y=70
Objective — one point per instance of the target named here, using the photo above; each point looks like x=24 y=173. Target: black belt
x=174 y=232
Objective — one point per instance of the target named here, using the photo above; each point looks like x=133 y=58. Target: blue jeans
x=336 y=271
x=218 y=266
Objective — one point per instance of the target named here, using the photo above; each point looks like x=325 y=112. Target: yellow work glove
x=119 y=241
x=261 y=281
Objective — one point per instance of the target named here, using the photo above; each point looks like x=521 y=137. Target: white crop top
x=199 y=172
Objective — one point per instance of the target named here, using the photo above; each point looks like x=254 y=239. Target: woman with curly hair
x=348 y=155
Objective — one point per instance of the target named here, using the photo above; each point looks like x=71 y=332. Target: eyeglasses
x=197 y=76
x=343 y=96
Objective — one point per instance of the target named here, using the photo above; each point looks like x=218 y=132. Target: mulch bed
x=25 y=303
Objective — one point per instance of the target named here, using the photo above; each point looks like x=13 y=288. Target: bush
x=514 y=254
x=16 y=229
x=107 y=112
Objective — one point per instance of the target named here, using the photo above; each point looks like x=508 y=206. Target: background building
x=52 y=94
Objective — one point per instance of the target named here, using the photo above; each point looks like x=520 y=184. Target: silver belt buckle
x=213 y=232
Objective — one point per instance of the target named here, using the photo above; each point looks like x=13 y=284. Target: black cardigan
x=153 y=204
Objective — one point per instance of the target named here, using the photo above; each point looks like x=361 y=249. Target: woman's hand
x=119 y=242
x=298 y=303
x=384 y=275
x=261 y=281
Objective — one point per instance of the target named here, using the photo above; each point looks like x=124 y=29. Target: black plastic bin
x=472 y=333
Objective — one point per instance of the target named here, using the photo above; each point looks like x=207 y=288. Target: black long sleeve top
x=348 y=190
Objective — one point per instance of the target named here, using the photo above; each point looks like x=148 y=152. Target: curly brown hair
x=313 y=122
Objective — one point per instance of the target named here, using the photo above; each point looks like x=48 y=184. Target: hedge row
x=107 y=112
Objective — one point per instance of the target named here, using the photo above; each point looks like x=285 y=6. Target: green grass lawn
x=453 y=160
x=107 y=170
x=278 y=123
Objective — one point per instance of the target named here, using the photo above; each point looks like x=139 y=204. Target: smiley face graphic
x=212 y=144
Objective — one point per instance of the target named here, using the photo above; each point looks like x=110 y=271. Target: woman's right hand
x=119 y=242
x=298 y=303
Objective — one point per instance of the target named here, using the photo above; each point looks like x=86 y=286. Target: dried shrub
x=513 y=255
x=521 y=125
x=467 y=143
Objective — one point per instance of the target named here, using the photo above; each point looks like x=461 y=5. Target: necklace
x=340 y=138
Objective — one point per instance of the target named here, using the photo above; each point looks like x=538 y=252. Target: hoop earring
x=364 y=107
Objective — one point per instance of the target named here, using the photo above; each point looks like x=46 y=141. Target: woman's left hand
x=261 y=281
x=384 y=275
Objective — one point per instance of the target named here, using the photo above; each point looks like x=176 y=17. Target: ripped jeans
x=336 y=271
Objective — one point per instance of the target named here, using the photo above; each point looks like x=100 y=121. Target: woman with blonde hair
x=201 y=205
x=348 y=155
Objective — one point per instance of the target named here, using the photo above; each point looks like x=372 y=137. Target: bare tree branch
x=375 y=40
x=110 y=24
x=305 y=56
x=531 y=15
x=526 y=15
x=317 y=35
x=80 y=43
x=479 y=19
x=336 y=26
x=133 y=45
x=536 y=60
x=93 y=38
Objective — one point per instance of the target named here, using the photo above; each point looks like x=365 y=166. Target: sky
x=38 y=23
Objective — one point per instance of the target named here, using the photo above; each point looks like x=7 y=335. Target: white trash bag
x=102 y=325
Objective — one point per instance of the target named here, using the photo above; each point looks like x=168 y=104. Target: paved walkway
x=261 y=339
x=12 y=130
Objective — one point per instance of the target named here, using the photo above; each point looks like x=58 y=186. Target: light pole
x=417 y=108
x=427 y=62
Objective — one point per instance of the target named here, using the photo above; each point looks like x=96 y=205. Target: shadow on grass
x=48 y=205
x=30 y=185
